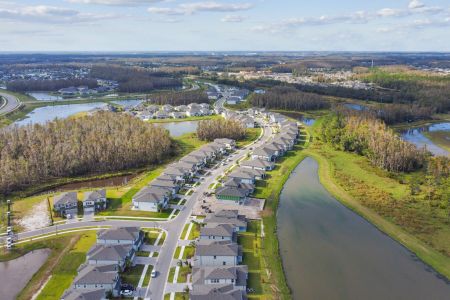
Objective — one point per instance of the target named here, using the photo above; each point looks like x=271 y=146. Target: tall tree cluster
x=179 y=98
x=29 y=85
x=370 y=137
x=102 y=142
x=135 y=80
x=220 y=128
x=289 y=98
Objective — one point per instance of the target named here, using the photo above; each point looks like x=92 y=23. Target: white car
x=153 y=274
x=126 y=293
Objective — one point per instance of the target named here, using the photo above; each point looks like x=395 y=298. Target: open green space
x=250 y=135
x=132 y=274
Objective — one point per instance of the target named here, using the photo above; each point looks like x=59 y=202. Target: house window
x=224 y=263
x=215 y=257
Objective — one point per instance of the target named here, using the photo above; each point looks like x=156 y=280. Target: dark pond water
x=355 y=106
x=179 y=128
x=43 y=96
x=300 y=117
x=416 y=137
x=94 y=184
x=16 y=273
x=330 y=252
x=44 y=114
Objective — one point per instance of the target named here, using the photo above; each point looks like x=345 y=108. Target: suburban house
x=264 y=153
x=248 y=188
x=226 y=216
x=121 y=236
x=217 y=253
x=276 y=118
x=96 y=294
x=173 y=187
x=224 y=232
x=92 y=277
x=181 y=174
x=152 y=198
x=208 y=292
x=257 y=164
x=228 y=143
x=244 y=175
x=193 y=112
x=236 y=195
x=94 y=200
x=198 y=161
x=278 y=149
x=234 y=275
x=66 y=204
x=110 y=254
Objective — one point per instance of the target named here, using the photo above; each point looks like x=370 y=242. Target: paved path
x=12 y=103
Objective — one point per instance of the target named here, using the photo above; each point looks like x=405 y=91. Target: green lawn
x=147 y=277
x=132 y=275
x=178 y=296
x=251 y=135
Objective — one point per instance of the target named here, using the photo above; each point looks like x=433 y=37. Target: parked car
x=126 y=293
x=153 y=274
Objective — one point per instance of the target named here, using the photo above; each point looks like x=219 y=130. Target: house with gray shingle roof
x=152 y=198
x=92 y=277
x=108 y=255
x=217 y=253
x=95 y=294
x=264 y=153
x=228 y=143
x=66 y=204
x=174 y=187
x=216 y=292
x=218 y=232
x=121 y=236
x=227 y=216
x=231 y=194
x=235 y=275
x=257 y=164
x=94 y=200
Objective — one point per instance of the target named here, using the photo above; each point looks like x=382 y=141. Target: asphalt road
x=12 y=103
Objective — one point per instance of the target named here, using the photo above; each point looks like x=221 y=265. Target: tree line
x=48 y=85
x=363 y=134
x=208 y=130
x=288 y=98
x=179 y=98
x=103 y=142
x=135 y=80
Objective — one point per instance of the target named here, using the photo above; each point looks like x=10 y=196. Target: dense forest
x=365 y=135
x=103 y=142
x=48 y=85
x=179 y=98
x=288 y=98
x=220 y=128
x=399 y=113
x=135 y=80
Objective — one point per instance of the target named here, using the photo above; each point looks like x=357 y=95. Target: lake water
x=44 y=114
x=416 y=137
x=16 y=273
x=355 y=106
x=43 y=96
x=300 y=117
x=179 y=128
x=330 y=252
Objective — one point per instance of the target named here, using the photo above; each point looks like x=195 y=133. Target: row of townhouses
x=66 y=204
x=244 y=119
x=160 y=191
x=175 y=112
x=99 y=277
x=217 y=272
x=240 y=183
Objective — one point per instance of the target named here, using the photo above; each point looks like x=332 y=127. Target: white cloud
x=413 y=4
x=49 y=14
x=115 y=2
x=232 y=19
x=192 y=8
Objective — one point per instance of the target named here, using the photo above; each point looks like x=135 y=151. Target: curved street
x=12 y=103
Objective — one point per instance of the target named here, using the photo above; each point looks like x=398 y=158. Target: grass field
x=440 y=138
x=251 y=135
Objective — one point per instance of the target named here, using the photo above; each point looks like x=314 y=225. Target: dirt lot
x=37 y=218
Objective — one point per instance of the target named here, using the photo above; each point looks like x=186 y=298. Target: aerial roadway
x=8 y=104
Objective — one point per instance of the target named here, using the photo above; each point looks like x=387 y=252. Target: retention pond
x=330 y=252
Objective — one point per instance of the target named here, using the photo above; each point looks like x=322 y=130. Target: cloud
x=232 y=19
x=49 y=14
x=192 y=8
x=413 y=4
x=115 y=2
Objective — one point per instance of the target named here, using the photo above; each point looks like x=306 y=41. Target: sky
x=224 y=25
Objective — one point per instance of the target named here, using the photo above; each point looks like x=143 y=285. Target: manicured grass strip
x=147 y=276
x=132 y=275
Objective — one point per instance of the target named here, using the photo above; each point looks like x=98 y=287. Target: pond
x=44 y=114
x=16 y=273
x=300 y=117
x=355 y=106
x=128 y=103
x=417 y=136
x=330 y=252
x=44 y=96
x=179 y=128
